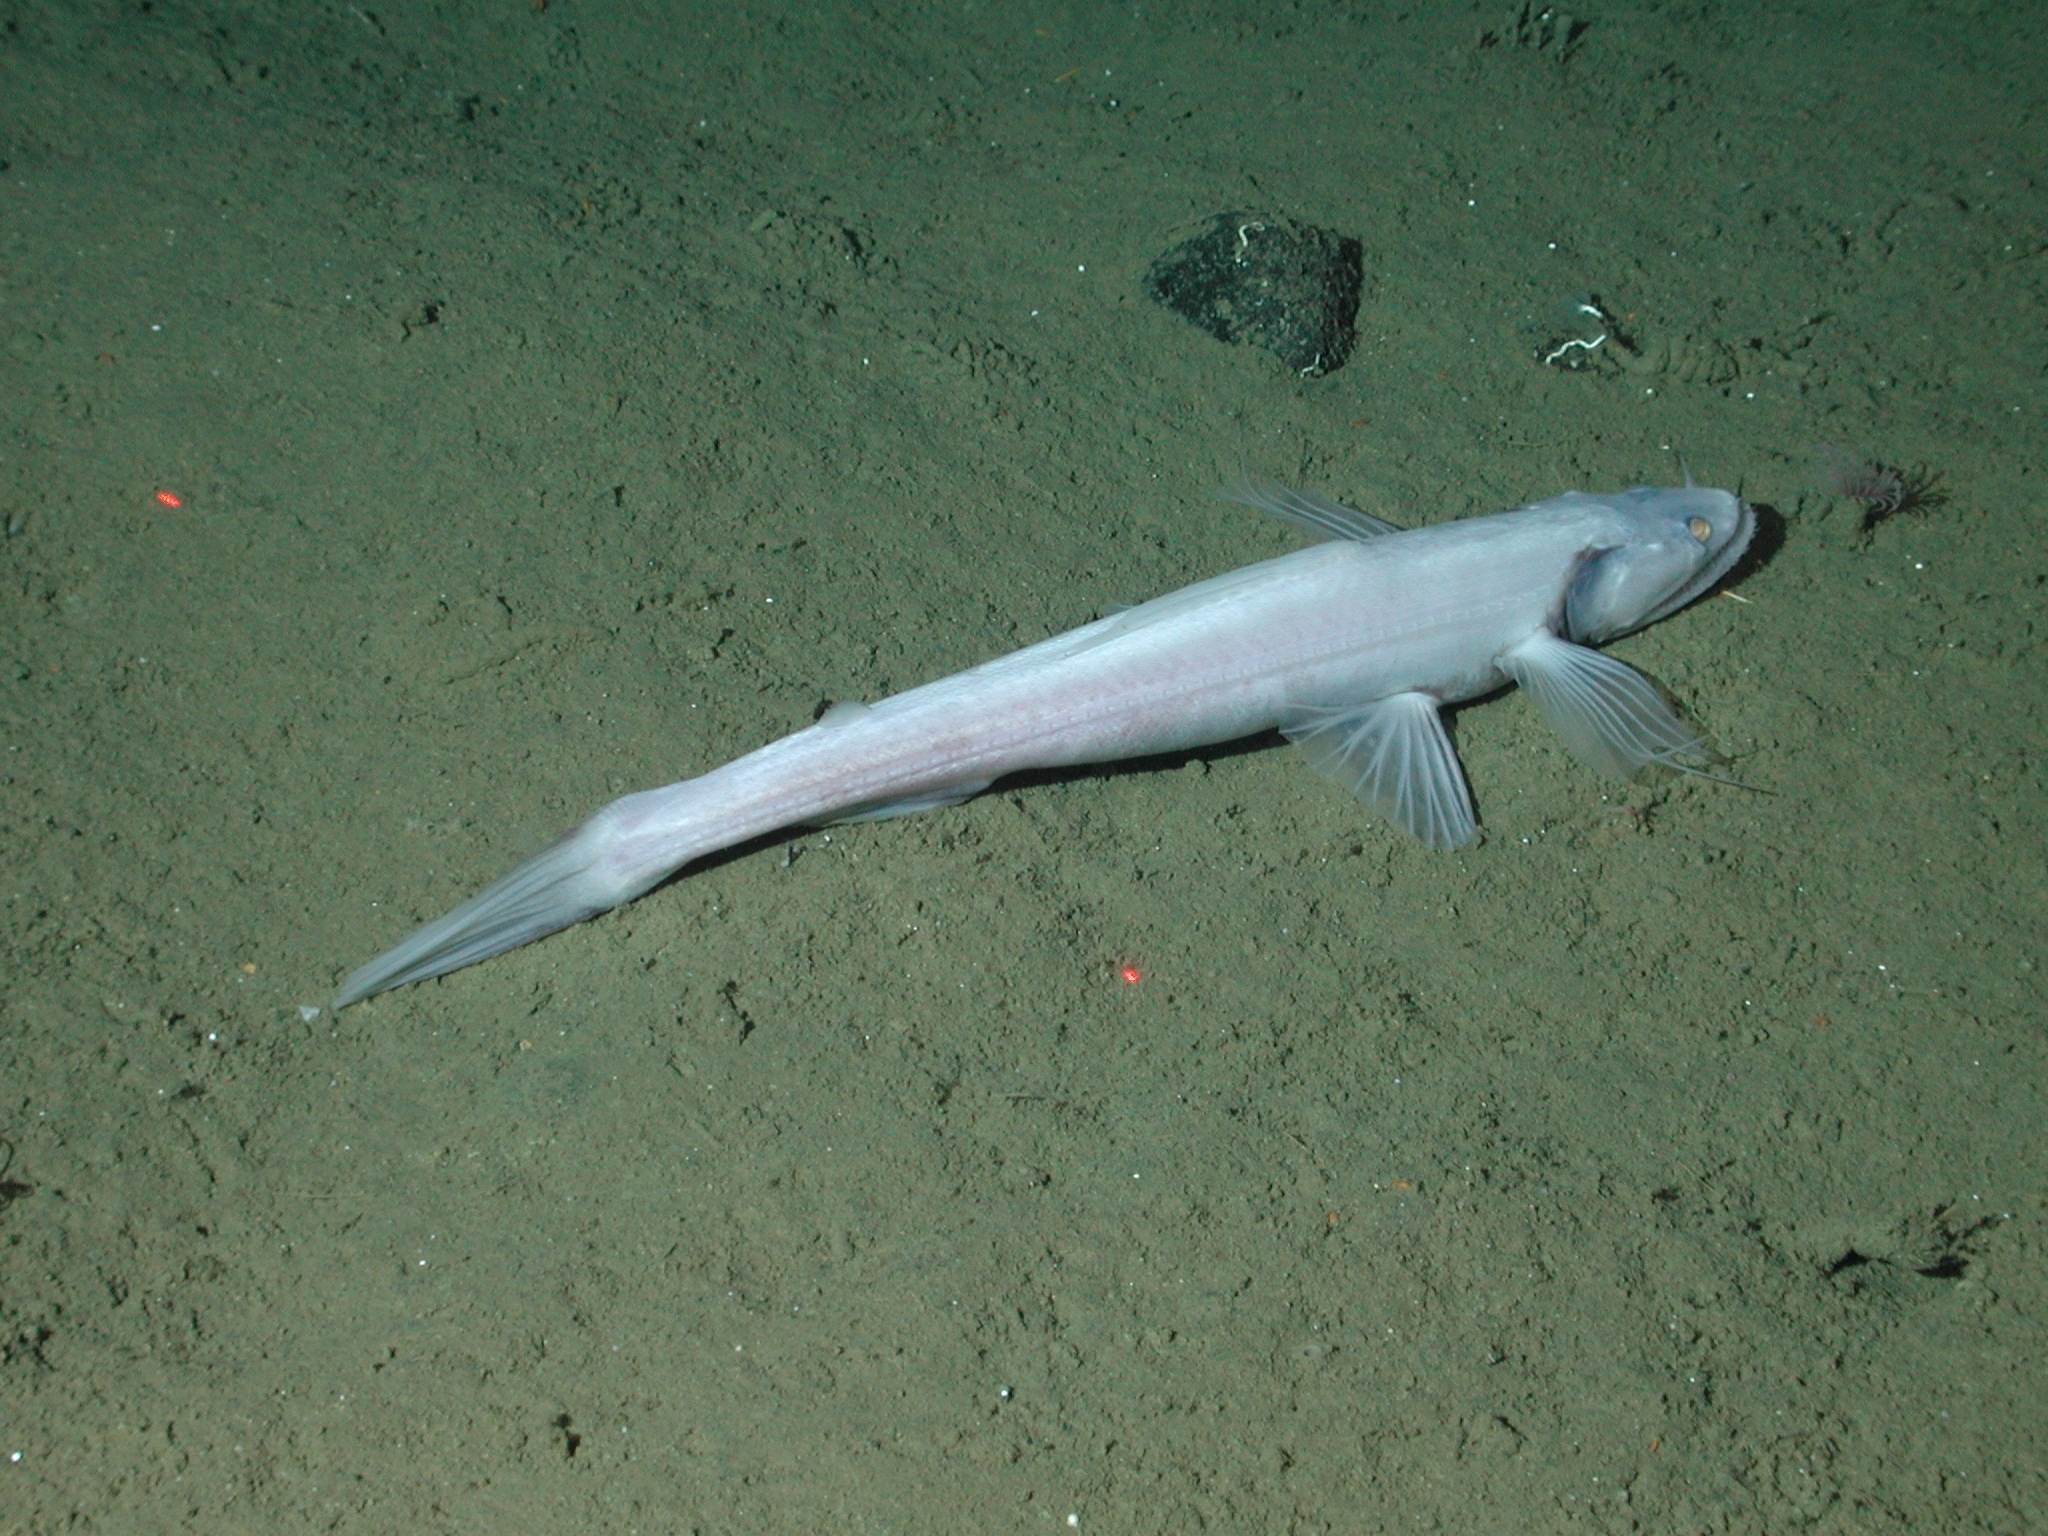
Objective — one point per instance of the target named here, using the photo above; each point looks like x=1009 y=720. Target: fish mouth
x=1733 y=543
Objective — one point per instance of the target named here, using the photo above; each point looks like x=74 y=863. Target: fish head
x=1661 y=547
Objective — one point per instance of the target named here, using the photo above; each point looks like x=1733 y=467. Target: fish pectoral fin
x=1394 y=754
x=1610 y=715
x=909 y=805
x=1315 y=515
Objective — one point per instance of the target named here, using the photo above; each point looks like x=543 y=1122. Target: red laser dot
x=169 y=499
x=1131 y=975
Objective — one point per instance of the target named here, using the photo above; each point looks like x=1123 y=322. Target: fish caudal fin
x=563 y=884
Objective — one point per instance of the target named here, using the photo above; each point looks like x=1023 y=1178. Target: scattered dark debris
x=420 y=316
x=1938 y=1244
x=11 y=1190
x=1851 y=1259
x=1540 y=29
x=1290 y=288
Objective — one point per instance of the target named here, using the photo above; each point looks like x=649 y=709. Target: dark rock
x=1290 y=288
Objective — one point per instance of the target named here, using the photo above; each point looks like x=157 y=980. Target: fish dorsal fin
x=1394 y=755
x=1312 y=514
x=845 y=712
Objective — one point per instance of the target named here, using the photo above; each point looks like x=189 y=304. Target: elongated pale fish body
x=1349 y=648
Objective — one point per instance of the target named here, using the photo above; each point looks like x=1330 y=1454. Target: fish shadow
x=1032 y=778
x=1764 y=545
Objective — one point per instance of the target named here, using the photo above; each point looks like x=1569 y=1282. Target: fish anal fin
x=910 y=805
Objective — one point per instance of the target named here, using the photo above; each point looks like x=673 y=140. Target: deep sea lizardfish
x=1350 y=648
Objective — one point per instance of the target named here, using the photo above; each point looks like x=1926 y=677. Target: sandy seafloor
x=564 y=399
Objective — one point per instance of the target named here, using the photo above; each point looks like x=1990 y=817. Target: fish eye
x=1699 y=528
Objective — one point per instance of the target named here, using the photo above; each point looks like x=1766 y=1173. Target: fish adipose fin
x=1312 y=514
x=1394 y=755
x=1610 y=715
